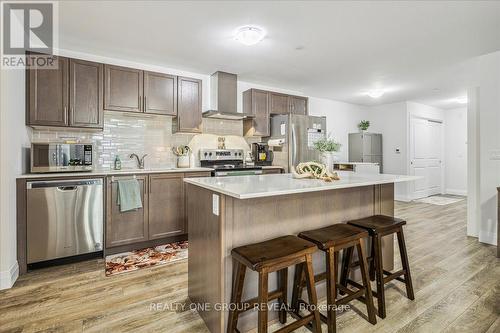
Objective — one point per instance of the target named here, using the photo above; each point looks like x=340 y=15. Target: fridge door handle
x=294 y=146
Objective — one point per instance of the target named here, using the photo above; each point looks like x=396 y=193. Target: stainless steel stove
x=227 y=162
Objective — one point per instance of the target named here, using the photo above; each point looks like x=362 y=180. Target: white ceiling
x=416 y=50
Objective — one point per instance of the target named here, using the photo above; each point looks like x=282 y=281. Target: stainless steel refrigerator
x=366 y=147
x=296 y=135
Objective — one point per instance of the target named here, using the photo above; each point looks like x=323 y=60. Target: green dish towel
x=129 y=195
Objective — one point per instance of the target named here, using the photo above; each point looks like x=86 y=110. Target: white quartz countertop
x=248 y=187
x=107 y=172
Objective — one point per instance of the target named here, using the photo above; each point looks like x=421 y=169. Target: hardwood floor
x=456 y=282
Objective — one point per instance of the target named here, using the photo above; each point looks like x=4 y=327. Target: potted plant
x=182 y=153
x=363 y=125
x=328 y=149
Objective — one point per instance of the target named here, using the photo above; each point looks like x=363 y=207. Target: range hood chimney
x=223 y=97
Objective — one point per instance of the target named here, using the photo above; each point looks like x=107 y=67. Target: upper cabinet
x=160 y=93
x=189 y=117
x=262 y=104
x=85 y=94
x=298 y=105
x=47 y=91
x=123 y=89
x=256 y=102
x=68 y=96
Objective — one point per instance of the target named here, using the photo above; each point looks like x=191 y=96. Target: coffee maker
x=262 y=155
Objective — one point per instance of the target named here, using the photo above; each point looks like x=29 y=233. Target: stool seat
x=378 y=224
x=268 y=253
x=333 y=235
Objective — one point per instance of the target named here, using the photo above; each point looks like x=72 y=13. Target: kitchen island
x=227 y=212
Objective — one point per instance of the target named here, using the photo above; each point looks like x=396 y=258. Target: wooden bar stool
x=332 y=240
x=379 y=226
x=274 y=255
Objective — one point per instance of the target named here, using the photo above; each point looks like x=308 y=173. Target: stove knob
x=210 y=154
x=206 y=153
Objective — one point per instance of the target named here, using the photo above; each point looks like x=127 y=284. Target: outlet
x=398 y=151
x=495 y=154
x=215 y=204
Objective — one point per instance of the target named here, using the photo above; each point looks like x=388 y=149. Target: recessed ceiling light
x=461 y=100
x=375 y=93
x=249 y=35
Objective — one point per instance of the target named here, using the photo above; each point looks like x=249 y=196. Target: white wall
x=341 y=119
x=489 y=145
x=455 y=142
x=13 y=138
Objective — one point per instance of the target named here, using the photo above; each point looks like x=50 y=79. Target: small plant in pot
x=363 y=125
x=182 y=153
x=328 y=149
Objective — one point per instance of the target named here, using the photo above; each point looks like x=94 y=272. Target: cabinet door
x=125 y=227
x=166 y=205
x=160 y=93
x=189 y=105
x=279 y=103
x=85 y=94
x=298 y=105
x=260 y=108
x=48 y=95
x=123 y=89
x=191 y=175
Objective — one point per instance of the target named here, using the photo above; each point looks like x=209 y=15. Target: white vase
x=183 y=161
x=328 y=158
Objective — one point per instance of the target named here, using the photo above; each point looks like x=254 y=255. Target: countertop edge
x=193 y=181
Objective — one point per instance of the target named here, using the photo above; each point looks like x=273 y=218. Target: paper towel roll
x=275 y=142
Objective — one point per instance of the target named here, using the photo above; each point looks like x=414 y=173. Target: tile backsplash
x=125 y=134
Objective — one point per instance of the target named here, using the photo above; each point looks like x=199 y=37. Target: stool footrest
x=392 y=276
x=253 y=302
x=299 y=322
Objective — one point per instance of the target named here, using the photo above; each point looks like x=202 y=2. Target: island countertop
x=248 y=187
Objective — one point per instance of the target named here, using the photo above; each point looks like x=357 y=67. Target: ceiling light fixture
x=375 y=93
x=249 y=35
x=461 y=100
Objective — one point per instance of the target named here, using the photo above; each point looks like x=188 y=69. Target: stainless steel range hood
x=223 y=97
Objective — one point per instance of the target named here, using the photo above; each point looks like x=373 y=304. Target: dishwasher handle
x=67 y=188
x=63 y=184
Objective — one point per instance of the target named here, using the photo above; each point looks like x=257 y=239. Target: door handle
x=67 y=188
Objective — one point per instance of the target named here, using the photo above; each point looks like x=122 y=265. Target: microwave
x=61 y=157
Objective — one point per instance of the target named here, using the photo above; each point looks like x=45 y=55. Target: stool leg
x=311 y=292
x=406 y=264
x=371 y=267
x=331 y=290
x=297 y=286
x=283 y=299
x=366 y=282
x=379 y=272
x=346 y=263
x=262 y=301
x=238 y=279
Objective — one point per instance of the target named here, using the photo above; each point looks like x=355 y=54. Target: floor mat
x=151 y=256
x=439 y=200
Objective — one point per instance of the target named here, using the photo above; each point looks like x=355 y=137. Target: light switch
x=215 y=204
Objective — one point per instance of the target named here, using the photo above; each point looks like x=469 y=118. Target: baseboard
x=488 y=237
x=8 y=277
x=456 y=192
x=401 y=198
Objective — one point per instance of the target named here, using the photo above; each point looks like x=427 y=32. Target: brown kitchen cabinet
x=47 y=93
x=123 y=89
x=166 y=205
x=279 y=103
x=256 y=102
x=189 y=95
x=124 y=228
x=160 y=93
x=85 y=94
x=69 y=96
x=191 y=175
x=298 y=105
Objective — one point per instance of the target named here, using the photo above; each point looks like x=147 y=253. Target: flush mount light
x=461 y=100
x=375 y=93
x=249 y=35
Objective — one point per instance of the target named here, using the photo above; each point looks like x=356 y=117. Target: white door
x=425 y=156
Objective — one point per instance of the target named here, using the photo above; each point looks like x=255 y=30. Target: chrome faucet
x=140 y=161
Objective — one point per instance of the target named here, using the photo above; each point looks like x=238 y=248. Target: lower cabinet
x=124 y=228
x=163 y=214
x=166 y=205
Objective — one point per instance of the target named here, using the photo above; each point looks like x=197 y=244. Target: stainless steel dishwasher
x=64 y=218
